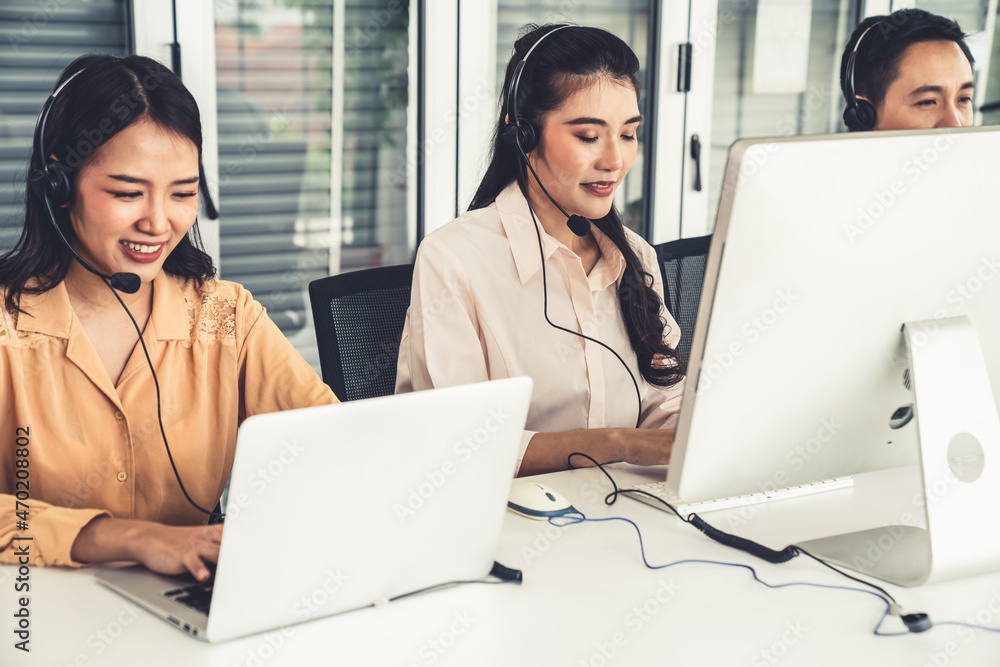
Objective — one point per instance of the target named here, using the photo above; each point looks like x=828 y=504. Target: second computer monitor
x=823 y=247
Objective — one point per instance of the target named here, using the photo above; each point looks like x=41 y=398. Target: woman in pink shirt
x=516 y=286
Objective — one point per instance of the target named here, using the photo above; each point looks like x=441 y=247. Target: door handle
x=696 y=156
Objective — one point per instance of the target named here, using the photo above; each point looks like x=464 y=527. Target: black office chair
x=682 y=265
x=359 y=322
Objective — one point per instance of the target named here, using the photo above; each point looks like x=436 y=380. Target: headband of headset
x=49 y=179
x=52 y=180
x=859 y=116
x=520 y=133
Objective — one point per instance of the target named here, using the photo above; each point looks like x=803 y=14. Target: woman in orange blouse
x=485 y=285
x=84 y=473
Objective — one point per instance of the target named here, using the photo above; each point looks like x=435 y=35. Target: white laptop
x=375 y=499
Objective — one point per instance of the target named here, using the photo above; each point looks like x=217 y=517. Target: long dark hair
x=109 y=94
x=565 y=62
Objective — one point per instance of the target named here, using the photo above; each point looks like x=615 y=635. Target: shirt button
x=118 y=415
x=122 y=476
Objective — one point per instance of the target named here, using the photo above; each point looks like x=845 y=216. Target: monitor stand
x=959 y=435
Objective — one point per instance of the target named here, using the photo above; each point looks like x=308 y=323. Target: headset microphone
x=578 y=224
x=522 y=136
x=50 y=182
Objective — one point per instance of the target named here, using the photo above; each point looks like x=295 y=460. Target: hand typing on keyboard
x=161 y=548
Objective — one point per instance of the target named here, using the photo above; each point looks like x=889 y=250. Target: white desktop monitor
x=823 y=247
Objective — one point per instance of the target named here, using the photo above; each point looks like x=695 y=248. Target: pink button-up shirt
x=476 y=314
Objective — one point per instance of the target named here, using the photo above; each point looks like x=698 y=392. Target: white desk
x=586 y=600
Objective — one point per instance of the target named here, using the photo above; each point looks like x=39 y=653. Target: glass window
x=974 y=18
x=970 y=14
x=39 y=41
x=312 y=99
x=628 y=19
x=750 y=101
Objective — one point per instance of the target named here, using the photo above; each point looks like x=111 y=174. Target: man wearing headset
x=908 y=70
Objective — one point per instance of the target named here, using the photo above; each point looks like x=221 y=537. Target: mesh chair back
x=682 y=264
x=359 y=322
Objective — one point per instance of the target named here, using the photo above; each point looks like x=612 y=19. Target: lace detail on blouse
x=11 y=337
x=212 y=320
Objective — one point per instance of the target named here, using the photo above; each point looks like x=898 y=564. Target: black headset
x=522 y=135
x=859 y=116
x=50 y=181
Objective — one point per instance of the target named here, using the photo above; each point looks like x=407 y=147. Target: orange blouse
x=89 y=448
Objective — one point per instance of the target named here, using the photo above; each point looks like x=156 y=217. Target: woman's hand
x=161 y=548
x=647 y=446
x=547 y=452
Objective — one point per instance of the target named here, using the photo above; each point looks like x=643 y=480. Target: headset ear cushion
x=866 y=114
x=529 y=135
x=59 y=183
x=522 y=137
x=510 y=138
x=861 y=118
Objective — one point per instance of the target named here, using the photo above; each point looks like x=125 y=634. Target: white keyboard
x=660 y=490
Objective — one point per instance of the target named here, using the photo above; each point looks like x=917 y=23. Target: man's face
x=933 y=89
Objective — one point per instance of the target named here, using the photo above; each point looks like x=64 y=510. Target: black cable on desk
x=915 y=622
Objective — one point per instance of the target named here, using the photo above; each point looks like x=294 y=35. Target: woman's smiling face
x=135 y=199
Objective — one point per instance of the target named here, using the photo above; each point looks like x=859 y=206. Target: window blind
x=37 y=41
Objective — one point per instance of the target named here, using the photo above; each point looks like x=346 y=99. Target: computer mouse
x=537 y=501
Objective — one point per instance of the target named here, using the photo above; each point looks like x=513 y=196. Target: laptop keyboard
x=197 y=596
